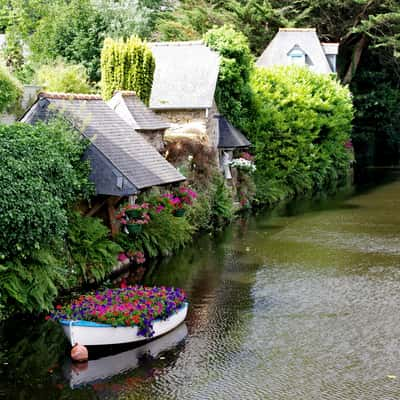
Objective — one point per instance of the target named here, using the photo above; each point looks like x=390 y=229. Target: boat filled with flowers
x=124 y=315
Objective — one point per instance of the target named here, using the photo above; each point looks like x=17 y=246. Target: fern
x=91 y=254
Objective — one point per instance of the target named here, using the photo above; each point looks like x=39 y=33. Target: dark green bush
x=41 y=173
x=303 y=122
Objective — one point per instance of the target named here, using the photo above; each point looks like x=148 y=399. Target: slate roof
x=228 y=136
x=135 y=113
x=122 y=161
x=185 y=76
x=285 y=40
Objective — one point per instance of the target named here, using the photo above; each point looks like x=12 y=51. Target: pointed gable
x=306 y=40
x=135 y=113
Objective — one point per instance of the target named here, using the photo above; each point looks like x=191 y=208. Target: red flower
x=58 y=307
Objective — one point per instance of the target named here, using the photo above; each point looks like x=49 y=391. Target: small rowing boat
x=90 y=333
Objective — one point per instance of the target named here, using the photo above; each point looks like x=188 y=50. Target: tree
x=10 y=90
x=64 y=78
x=233 y=93
x=190 y=20
x=355 y=24
x=127 y=65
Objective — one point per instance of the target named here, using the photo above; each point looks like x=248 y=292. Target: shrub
x=61 y=77
x=41 y=173
x=91 y=254
x=10 y=90
x=127 y=65
x=162 y=235
x=304 y=120
x=221 y=202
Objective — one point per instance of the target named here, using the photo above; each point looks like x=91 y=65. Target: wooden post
x=114 y=224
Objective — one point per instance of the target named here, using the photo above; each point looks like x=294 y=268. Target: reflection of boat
x=89 y=333
x=106 y=367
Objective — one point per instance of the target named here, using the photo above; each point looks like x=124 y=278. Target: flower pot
x=180 y=212
x=133 y=213
x=134 y=228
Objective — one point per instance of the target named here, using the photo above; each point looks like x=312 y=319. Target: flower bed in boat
x=131 y=306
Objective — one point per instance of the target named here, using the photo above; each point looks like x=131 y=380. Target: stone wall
x=197 y=124
x=154 y=137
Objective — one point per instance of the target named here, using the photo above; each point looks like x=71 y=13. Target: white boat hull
x=94 y=334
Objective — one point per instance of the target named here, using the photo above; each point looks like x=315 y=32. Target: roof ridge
x=69 y=96
x=126 y=93
x=178 y=43
x=297 y=30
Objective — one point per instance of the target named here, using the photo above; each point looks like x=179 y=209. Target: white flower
x=243 y=164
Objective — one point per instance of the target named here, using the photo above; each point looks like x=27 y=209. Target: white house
x=300 y=47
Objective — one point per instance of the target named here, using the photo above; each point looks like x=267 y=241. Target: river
x=301 y=302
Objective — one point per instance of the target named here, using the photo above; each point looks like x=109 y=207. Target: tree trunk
x=355 y=59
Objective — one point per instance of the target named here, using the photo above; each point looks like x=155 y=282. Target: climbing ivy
x=127 y=65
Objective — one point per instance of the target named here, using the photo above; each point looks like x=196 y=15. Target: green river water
x=297 y=303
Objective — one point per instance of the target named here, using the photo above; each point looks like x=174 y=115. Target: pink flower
x=122 y=257
x=159 y=208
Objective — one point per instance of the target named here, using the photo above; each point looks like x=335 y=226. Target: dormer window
x=297 y=56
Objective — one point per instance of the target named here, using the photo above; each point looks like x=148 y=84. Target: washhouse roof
x=278 y=50
x=185 y=76
x=135 y=113
x=122 y=162
x=228 y=136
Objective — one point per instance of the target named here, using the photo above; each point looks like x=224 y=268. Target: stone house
x=300 y=47
x=183 y=89
x=183 y=92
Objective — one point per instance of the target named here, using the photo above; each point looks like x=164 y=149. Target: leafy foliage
x=376 y=133
x=10 y=90
x=233 y=94
x=29 y=284
x=304 y=120
x=72 y=30
x=221 y=202
x=190 y=20
x=127 y=65
x=64 y=78
x=41 y=173
x=162 y=236
x=90 y=252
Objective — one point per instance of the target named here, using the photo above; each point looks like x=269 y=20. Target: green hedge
x=303 y=122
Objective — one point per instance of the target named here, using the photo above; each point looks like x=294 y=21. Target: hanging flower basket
x=134 y=228
x=133 y=212
x=179 y=212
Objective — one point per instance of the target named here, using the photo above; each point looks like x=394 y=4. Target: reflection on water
x=103 y=368
x=298 y=303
